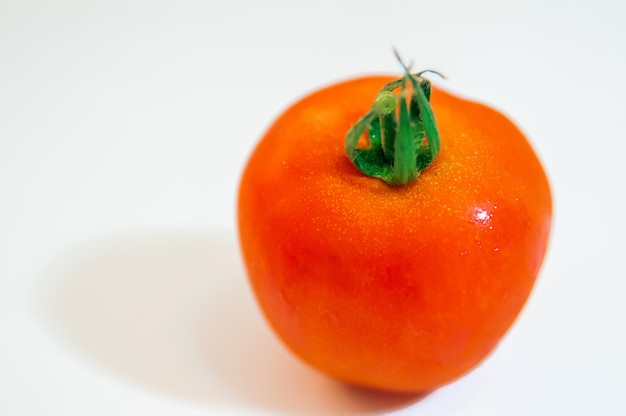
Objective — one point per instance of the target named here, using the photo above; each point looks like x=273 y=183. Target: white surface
x=124 y=126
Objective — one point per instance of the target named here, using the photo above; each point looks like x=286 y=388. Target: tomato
x=396 y=287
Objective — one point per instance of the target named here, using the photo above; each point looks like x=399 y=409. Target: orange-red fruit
x=397 y=288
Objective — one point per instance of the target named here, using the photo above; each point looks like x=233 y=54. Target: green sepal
x=402 y=141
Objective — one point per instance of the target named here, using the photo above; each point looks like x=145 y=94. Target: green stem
x=402 y=132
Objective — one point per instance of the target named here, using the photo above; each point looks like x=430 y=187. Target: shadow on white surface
x=173 y=312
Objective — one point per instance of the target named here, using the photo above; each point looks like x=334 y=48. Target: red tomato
x=402 y=288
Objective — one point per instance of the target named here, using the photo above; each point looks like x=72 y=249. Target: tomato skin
x=401 y=288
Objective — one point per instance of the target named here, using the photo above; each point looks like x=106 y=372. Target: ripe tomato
x=401 y=288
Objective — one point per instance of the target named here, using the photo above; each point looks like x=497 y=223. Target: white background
x=124 y=126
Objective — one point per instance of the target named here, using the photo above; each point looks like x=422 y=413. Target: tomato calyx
x=400 y=132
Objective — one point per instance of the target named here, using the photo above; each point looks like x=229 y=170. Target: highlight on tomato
x=392 y=231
